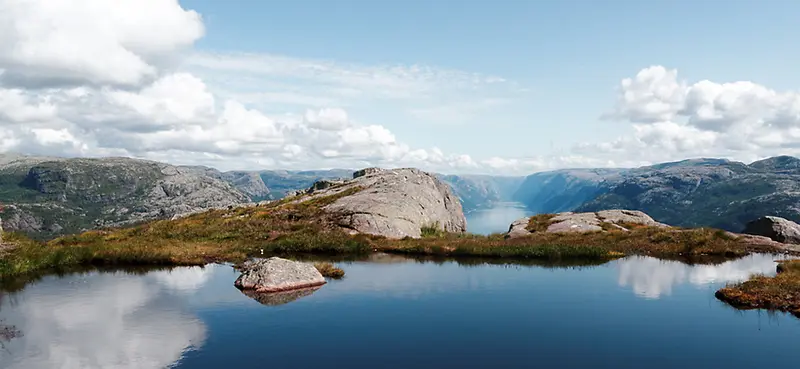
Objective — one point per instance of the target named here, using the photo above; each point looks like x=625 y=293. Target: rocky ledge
x=586 y=222
x=277 y=275
x=393 y=203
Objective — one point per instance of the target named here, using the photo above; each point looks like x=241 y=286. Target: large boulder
x=395 y=203
x=569 y=222
x=776 y=228
x=277 y=274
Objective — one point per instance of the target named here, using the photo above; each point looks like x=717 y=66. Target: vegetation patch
x=301 y=227
x=781 y=292
x=540 y=222
x=329 y=270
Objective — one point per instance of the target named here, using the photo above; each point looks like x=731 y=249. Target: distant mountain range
x=47 y=196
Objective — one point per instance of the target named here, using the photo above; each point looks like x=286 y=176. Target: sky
x=497 y=87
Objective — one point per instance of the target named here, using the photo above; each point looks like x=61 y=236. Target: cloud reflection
x=105 y=320
x=650 y=277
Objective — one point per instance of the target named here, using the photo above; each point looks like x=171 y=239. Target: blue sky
x=455 y=86
x=570 y=54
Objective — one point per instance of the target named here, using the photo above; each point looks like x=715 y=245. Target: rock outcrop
x=587 y=222
x=277 y=274
x=395 y=203
x=776 y=228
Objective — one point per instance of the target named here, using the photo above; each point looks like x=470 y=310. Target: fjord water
x=495 y=219
x=393 y=312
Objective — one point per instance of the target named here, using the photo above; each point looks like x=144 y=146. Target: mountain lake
x=397 y=312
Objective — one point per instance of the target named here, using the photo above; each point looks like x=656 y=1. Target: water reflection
x=651 y=278
x=279 y=298
x=105 y=320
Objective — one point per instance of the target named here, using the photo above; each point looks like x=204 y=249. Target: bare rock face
x=586 y=222
x=776 y=228
x=277 y=274
x=396 y=203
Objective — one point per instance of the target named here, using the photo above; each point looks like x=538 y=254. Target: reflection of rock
x=105 y=320
x=651 y=278
x=279 y=298
x=277 y=274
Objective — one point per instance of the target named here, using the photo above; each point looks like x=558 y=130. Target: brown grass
x=539 y=222
x=286 y=228
x=329 y=270
x=781 y=292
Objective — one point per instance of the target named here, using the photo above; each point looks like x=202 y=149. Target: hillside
x=481 y=191
x=707 y=192
x=44 y=197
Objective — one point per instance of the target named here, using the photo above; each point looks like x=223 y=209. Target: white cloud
x=104 y=79
x=673 y=119
x=46 y=42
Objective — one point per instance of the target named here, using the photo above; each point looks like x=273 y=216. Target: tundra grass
x=781 y=292
x=287 y=228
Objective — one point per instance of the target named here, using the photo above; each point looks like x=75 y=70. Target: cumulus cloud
x=673 y=119
x=123 y=42
x=121 y=78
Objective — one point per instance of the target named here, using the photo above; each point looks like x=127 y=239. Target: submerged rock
x=277 y=274
x=776 y=228
x=569 y=222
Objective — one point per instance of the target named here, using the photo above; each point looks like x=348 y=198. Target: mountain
x=45 y=197
x=281 y=182
x=707 y=192
x=481 y=191
x=564 y=190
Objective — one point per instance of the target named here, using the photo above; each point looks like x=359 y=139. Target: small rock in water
x=277 y=274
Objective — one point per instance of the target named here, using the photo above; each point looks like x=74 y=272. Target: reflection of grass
x=287 y=228
x=781 y=292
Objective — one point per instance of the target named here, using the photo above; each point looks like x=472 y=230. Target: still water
x=393 y=312
x=496 y=219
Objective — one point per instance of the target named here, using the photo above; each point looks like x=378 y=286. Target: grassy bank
x=286 y=228
x=781 y=292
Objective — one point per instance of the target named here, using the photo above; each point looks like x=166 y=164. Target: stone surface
x=396 y=203
x=277 y=274
x=586 y=222
x=776 y=228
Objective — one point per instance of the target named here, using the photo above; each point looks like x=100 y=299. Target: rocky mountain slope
x=45 y=197
x=481 y=191
x=564 y=190
x=707 y=192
